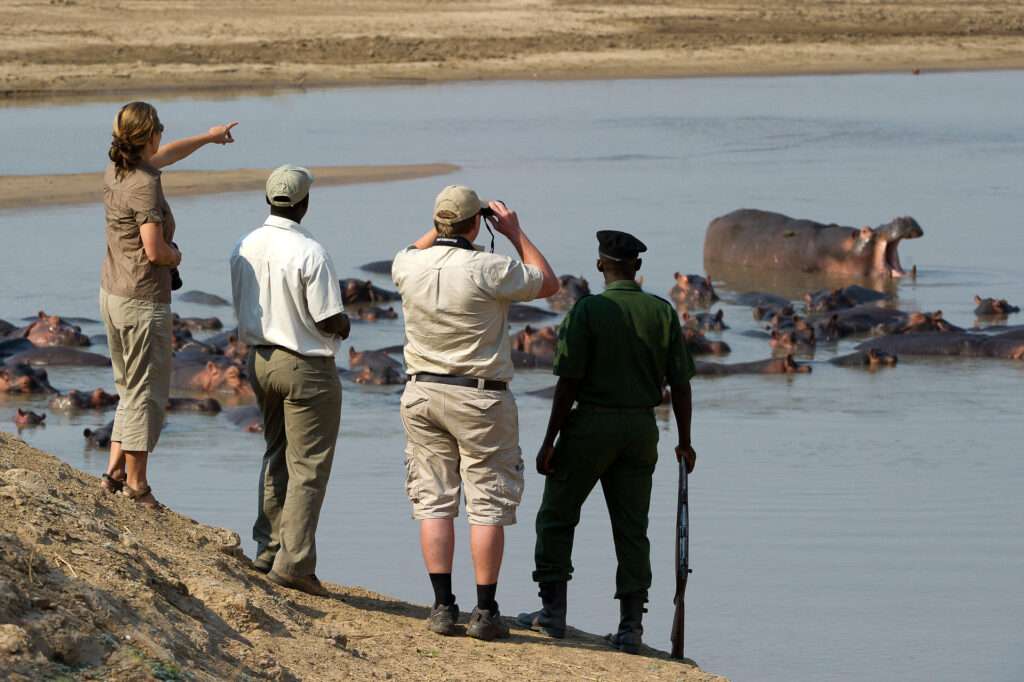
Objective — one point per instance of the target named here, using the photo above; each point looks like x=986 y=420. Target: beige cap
x=288 y=185
x=456 y=203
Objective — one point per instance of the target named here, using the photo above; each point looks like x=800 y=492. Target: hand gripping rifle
x=682 y=560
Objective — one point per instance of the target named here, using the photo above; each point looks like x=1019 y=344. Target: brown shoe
x=142 y=497
x=309 y=584
x=111 y=484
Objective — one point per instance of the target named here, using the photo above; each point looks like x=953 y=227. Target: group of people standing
x=616 y=353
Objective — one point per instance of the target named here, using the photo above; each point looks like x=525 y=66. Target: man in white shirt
x=288 y=304
x=461 y=421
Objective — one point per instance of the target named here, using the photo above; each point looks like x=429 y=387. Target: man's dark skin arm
x=565 y=395
x=682 y=407
x=337 y=325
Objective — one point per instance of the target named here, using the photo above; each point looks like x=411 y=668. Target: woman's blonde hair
x=134 y=126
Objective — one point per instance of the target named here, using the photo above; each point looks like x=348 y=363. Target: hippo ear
x=866 y=233
x=676 y=275
x=41 y=315
x=937 y=315
x=686 y=315
x=352 y=351
x=87 y=433
x=977 y=300
x=210 y=365
x=719 y=315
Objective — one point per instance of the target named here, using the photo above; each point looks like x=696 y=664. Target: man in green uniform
x=616 y=352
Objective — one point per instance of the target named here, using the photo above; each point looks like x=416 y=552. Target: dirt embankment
x=93 y=46
x=92 y=588
x=29 y=191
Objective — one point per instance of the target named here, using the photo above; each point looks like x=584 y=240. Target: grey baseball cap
x=288 y=185
x=456 y=203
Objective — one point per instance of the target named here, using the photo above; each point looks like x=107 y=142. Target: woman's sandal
x=143 y=497
x=111 y=484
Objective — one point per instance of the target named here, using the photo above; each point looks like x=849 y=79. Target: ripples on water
x=846 y=525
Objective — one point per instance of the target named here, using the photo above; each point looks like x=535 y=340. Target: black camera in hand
x=176 y=282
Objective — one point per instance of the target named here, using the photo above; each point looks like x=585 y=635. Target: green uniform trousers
x=300 y=399
x=619 y=448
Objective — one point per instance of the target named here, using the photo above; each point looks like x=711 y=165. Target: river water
x=846 y=525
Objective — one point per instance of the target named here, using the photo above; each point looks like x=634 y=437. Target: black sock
x=485 y=597
x=442 y=583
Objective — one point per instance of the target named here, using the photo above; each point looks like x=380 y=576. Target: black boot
x=629 y=638
x=551 y=618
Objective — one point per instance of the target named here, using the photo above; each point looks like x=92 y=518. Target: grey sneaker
x=443 y=618
x=487 y=625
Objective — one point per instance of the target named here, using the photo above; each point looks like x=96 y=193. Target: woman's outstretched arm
x=175 y=151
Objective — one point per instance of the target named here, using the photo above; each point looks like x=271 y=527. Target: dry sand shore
x=33 y=191
x=98 y=46
x=93 y=588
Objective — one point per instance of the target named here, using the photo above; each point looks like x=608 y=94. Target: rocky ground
x=98 y=46
x=93 y=588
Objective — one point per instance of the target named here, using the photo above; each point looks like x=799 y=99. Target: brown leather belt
x=483 y=384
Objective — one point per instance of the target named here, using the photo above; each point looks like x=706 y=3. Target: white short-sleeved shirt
x=455 y=302
x=283 y=282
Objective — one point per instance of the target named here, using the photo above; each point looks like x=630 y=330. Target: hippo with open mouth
x=765 y=240
x=28 y=418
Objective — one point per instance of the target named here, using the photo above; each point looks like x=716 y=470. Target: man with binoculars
x=461 y=420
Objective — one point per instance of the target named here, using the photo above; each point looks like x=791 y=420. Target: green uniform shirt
x=623 y=345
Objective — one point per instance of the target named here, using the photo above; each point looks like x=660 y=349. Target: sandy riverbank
x=75 y=47
x=92 y=588
x=33 y=191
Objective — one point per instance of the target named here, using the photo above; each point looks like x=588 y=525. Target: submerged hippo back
x=761 y=239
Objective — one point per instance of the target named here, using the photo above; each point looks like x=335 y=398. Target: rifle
x=682 y=560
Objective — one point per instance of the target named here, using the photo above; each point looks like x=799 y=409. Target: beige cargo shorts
x=139 y=339
x=462 y=437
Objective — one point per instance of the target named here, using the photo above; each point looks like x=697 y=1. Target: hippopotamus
x=363 y=291
x=521 y=360
x=80 y=400
x=25 y=418
x=1008 y=345
x=780 y=365
x=9 y=347
x=202 y=298
x=570 y=290
x=697 y=344
x=692 y=291
x=520 y=312
x=752 y=299
x=801 y=341
x=59 y=355
x=860 y=319
x=871 y=359
x=705 y=322
x=915 y=323
x=204 y=405
x=209 y=374
x=194 y=324
x=993 y=307
x=100 y=436
x=540 y=342
x=229 y=345
x=375 y=367
x=771 y=241
x=379 y=267
x=827 y=300
x=248 y=418
x=374 y=313
x=24 y=379
x=52 y=330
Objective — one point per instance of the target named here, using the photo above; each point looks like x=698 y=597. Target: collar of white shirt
x=286 y=224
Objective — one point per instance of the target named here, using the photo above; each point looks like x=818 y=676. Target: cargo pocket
x=412 y=485
x=512 y=481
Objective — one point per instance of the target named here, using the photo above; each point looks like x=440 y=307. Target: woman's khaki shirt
x=132 y=201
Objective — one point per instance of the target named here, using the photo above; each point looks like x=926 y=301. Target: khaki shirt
x=131 y=202
x=624 y=346
x=283 y=282
x=455 y=302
